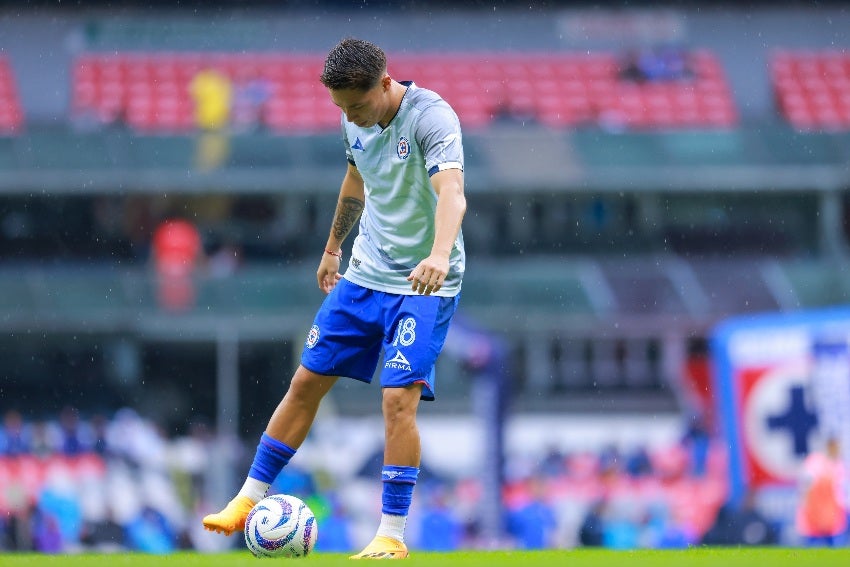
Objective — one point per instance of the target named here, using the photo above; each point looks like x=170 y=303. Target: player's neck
x=397 y=91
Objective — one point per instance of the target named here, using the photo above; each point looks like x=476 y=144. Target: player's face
x=363 y=108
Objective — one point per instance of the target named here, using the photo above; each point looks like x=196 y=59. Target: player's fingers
x=428 y=286
x=431 y=281
x=436 y=280
x=328 y=281
x=415 y=274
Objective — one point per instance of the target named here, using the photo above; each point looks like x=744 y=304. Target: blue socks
x=398 y=489
x=270 y=458
x=399 y=482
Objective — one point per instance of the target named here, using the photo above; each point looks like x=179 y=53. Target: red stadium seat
x=812 y=88
x=702 y=100
x=11 y=112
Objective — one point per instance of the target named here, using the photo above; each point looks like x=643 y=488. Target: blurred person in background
x=43 y=442
x=533 y=523
x=74 y=437
x=741 y=524
x=252 y=92
x=16 y=520
x=150 y=532
x=697 y=441
x=212 y=93
x=46 y=531
x=177 y=251
x=592 y=529
x=336 y=527
x=15 y=437
x=822 y=511
x=656 y=63
x=104 y=534
x=439 y=527
x=660 y=531
x=100 y=441
x=60 y=508
x=404 y=184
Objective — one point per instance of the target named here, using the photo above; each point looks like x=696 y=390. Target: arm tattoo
x=347 y=212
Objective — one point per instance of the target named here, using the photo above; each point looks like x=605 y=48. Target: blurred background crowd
x=119 y=482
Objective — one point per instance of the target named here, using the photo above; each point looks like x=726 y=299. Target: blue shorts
x=354 y=324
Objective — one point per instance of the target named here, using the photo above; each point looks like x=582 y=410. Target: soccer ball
x=281 y=525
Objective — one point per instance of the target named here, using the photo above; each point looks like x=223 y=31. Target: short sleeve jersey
x=396 y=163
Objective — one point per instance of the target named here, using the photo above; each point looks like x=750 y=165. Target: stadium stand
x=151 y=91
x=11 y=113
x=812 y=88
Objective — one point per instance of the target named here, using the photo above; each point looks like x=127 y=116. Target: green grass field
x=700 y=557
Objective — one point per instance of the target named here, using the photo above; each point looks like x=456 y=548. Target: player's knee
x=307 y=387
x=401 y=403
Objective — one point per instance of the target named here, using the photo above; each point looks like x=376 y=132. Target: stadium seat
x=11 y=113
x=812 y=88
x=702 y=100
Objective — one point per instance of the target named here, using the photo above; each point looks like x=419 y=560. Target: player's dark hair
x=354 y=64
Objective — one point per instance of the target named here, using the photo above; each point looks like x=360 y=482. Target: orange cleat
x=383 y=547
x=232 y=518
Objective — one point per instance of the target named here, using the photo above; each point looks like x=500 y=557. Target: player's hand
x=428 y=277
x=328 y=272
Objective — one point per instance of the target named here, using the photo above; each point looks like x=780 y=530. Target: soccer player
x=404 y=184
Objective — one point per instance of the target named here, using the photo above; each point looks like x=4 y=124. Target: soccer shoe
x=383 y=547
x=232 y=518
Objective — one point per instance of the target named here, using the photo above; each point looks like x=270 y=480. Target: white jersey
x=396 y=164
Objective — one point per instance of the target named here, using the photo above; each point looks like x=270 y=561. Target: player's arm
x=349 y=206
x=430 y=273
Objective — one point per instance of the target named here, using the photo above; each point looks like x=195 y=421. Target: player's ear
x=386 y=81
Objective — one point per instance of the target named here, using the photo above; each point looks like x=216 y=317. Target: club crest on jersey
x=312 y=337
x=403 y=148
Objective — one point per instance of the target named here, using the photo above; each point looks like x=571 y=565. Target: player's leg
x=420 y=325
x=402 y=449
x=402 y=443
x=286 y=431
x=345 y=340
x=291 y=421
